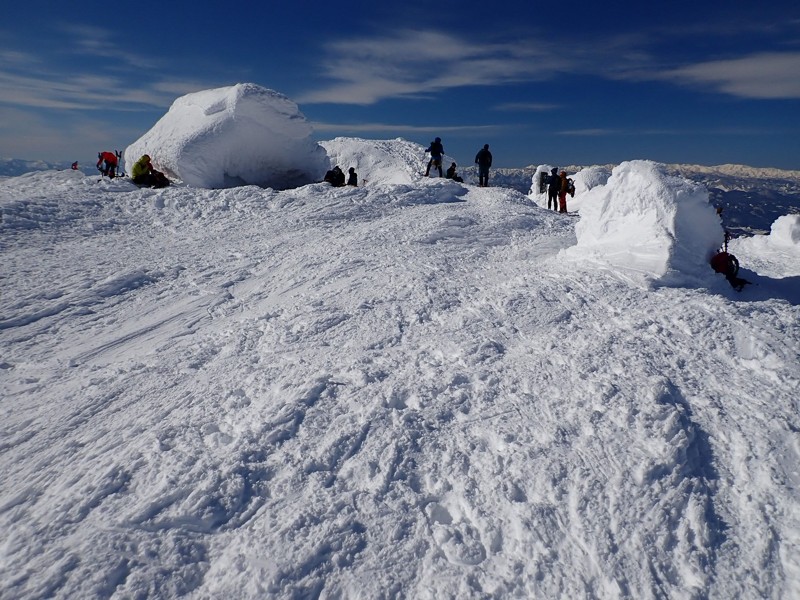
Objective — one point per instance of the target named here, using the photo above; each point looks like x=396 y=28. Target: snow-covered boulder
x=648 y=226
x=230 y=136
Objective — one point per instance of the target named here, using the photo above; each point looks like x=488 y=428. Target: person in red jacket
x=107 y=164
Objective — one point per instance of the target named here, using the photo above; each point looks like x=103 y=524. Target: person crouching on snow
x=107 y=164
x=143 y=174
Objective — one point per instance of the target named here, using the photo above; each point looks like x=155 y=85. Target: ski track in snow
x=377 y=394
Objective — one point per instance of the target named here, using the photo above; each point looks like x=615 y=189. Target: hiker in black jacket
x=484 y=160
x=553 y=187
x=437 y=153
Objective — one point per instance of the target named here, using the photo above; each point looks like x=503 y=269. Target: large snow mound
x=648 y=226
x=231 y=136
x=381 y=161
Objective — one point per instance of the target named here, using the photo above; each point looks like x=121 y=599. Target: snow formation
x=231 y=136
x=401 y=390
x=381 y=161
x=648 y=226
x=776 y=254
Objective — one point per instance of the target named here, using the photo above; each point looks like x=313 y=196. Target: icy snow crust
x=398 y=390
x=232 y=136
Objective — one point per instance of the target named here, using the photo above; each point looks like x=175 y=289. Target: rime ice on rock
x=231 y=136
x=648 y=226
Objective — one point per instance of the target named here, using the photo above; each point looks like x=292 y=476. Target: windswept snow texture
x=391 y=391
x=233 y=136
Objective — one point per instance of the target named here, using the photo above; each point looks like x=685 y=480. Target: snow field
x=402 y=390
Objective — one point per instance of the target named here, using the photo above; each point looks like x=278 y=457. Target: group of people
x=483 y=159
x=558 y=186
x=143 y=173
x=336 y=177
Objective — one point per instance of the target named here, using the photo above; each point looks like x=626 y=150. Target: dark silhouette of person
x=451 y=173
x=484 y=160
x=553 y=187
x=437 y=152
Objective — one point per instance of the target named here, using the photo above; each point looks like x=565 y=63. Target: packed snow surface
x=402 y=390
x=232 y=136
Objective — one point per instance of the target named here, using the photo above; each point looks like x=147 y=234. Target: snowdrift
x=647 y=226
x=381 y=161
x=232 y=136
x=777 y=254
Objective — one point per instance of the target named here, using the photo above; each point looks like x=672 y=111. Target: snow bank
x=648 y=226
x=232 y=136
x=381 y=161
x=590 y=178
x=774 y=255
x=786 y=232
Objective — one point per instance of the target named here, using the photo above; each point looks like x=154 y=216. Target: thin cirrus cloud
x=77 y=91
x=35 y=78
x=419 y=63
x=768 y=75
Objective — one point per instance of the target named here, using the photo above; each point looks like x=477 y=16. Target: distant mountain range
x=13 y=167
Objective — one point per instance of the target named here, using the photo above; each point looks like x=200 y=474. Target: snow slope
x=401 y=390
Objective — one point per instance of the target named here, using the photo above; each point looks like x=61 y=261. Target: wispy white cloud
x=123 y=81
x=768 y=75
x=420 y=63
x=79 y=91
x=98 y=42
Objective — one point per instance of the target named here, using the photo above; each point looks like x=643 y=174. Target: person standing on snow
x=437 y=153
x=567 y=187
x=553 y=188
x=352 y=178
x=107 y=164
x=484 y=160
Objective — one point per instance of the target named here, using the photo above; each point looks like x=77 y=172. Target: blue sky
x=706 y=82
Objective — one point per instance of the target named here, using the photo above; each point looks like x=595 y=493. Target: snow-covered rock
x=648 y=226
x=231 y=136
